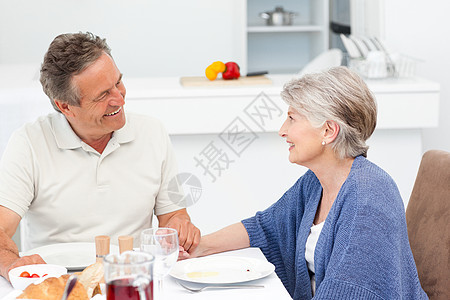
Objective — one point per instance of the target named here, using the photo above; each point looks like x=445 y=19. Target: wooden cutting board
x=203 y=81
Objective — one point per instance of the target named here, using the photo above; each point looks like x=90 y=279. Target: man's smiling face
x=102 y=99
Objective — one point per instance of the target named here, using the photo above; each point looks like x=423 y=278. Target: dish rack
x=399 y=66
x=369 y=58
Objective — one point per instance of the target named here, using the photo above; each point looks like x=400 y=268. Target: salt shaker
x=125 y=243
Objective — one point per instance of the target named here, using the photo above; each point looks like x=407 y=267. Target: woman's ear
x=331 y=131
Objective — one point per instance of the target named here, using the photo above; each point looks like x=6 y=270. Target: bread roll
x=91 y=277
x=53 y=288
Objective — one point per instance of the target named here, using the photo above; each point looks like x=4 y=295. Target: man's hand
x=9 y=254
x=188 y=235
x=25 y=260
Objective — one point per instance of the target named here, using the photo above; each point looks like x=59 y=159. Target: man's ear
x=64 y=107
x=331 y=131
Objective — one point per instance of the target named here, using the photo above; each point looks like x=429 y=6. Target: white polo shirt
x=67 y=192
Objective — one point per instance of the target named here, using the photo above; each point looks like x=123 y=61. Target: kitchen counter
x=402 y=103
x=168 y=87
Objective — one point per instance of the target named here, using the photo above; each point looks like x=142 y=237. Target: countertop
x=403 y=103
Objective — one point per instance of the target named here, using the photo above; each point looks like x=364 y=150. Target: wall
x=198 y=31
x=148 y=37
x=421 y=29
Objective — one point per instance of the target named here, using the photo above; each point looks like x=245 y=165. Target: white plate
x=73 y=256
x=221 y=269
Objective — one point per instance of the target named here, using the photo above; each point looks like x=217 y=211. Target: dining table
x=272 y=286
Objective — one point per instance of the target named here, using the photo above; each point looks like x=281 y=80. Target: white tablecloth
x=273 y=288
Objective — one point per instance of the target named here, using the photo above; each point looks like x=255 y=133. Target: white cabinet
x=286 y=49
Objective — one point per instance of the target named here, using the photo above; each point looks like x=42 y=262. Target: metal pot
x=278 y=17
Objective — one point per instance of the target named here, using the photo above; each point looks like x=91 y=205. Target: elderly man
x=89 y=169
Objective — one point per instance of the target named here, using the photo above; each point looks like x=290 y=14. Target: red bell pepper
x=232 y=71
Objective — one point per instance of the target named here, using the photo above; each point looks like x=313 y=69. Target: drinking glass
x=162 y=243
x=129 y=276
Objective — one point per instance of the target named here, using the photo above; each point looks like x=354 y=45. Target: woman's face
x=305 y=141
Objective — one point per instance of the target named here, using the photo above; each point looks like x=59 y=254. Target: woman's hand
x=229 y=238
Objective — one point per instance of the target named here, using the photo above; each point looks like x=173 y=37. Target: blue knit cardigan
x=363 y=250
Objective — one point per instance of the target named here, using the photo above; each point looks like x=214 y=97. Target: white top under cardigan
x=311 y=243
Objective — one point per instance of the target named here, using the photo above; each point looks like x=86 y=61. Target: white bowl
x=21 y=283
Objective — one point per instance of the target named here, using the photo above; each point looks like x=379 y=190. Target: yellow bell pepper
x=210 y=73
x=214 y=69
x=218 y=66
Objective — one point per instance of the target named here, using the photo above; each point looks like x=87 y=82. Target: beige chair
x=428 y=219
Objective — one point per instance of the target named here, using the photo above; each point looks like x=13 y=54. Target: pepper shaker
x=125 y=243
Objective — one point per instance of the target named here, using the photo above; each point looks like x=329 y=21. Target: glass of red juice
x=129 y=276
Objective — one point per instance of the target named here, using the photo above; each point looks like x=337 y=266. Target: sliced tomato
x=25 y=274
x=35 y=276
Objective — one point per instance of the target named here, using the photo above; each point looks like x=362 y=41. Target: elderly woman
x=340 y=231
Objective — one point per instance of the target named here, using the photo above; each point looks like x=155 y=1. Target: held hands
x=183 y=254
x=232 y=237
x=197 y=252
x=188 y=234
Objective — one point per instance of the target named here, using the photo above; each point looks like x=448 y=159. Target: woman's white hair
x=337 y=95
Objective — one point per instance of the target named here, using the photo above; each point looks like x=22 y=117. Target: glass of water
x=162 y=243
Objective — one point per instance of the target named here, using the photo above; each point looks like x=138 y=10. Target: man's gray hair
x=68 y=55
x=338 y=95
